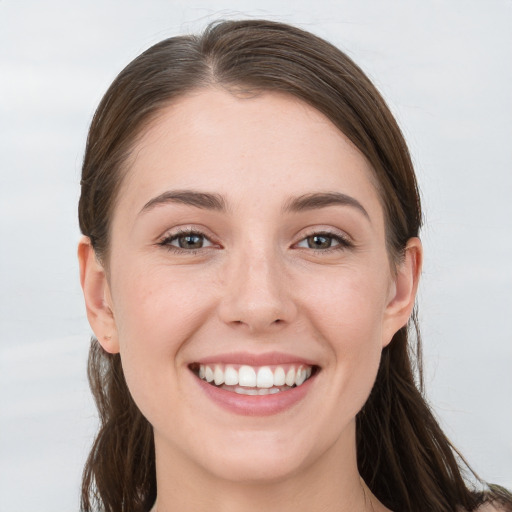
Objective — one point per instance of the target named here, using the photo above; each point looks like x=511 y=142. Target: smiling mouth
x=254 y=380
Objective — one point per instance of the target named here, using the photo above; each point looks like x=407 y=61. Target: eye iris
x=319 y=242
x=190 y=241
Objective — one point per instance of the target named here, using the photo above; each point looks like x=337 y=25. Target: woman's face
x=248 y=247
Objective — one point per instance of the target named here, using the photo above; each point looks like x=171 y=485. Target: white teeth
x=218 y=376
x=264 y=379
x=252 y=391
x=246 y=391
x=208 y=374
x=247 y=377
x=279 y=376
x=300 y=377
x=230 y=376
x=290 y=377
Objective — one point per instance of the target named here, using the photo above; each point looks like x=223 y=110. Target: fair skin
x=262 y=276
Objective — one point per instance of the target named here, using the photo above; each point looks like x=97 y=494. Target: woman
x=249 y=263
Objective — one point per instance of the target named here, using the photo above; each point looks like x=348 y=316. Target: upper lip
x=251 y=359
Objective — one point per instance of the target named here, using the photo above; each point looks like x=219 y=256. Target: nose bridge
x=256 y=294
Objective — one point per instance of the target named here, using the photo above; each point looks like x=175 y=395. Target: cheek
x=347 y=316
x=156 y=312
x=347 y=306
x=158 y=308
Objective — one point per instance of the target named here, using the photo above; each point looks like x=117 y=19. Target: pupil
x=191 y=241
x=319 y=242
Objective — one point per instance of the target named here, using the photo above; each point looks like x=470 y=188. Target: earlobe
x=97 y=297
x=404 y=289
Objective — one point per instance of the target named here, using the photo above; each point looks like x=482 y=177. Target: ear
x=403 y=290
x=98 y=301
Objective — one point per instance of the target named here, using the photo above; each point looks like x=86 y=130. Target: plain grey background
x=445 y=69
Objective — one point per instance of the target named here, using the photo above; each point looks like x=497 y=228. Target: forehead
x=269 y=144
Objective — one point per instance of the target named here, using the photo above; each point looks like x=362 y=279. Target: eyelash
x=166 y=242
x=343 y=242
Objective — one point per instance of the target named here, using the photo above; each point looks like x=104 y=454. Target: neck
x=330 y=484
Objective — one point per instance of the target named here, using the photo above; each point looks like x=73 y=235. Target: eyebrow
x=208 y=201
x=202 y=200
x=323 y=200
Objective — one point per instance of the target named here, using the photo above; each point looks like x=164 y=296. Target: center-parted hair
x=402 y=453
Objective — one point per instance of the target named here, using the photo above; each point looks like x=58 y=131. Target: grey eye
x=319 y=242
x=186 y=241
x=189 y=241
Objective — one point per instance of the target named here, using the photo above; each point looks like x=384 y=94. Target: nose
x=257 y=293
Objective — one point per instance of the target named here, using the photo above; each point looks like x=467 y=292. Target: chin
x=258 y=457
x=256 y=469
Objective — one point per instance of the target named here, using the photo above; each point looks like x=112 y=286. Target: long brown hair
x=403 y=455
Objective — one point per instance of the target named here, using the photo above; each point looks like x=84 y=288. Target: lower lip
x=256 y=405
